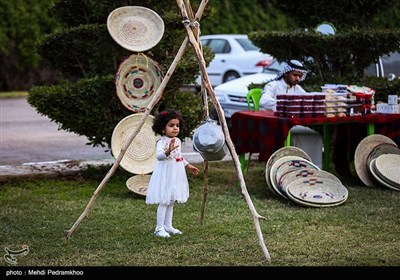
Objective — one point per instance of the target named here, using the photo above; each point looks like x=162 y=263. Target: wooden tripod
x=191 y=25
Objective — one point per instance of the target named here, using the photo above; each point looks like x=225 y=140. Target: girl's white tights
x=164 y=215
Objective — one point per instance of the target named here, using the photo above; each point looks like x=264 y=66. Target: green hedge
x=91 y=107
x=342 y=56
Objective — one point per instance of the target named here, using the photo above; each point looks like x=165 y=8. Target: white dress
x=169 y=182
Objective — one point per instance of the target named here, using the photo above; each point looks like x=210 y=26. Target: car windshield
x=275 y=67
x=246 y=44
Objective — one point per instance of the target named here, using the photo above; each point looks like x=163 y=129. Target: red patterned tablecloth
x=262 y=132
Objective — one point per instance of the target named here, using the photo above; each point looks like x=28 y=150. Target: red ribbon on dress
x=178 y=159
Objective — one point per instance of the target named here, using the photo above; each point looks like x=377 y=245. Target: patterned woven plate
x=304 y=203
x=287 y=178
x=287 y=162
x=284 y=151
x=136 y=81
x=318 y=190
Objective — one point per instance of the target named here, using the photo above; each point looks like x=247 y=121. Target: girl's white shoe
x=161 y=233
x=172 y=230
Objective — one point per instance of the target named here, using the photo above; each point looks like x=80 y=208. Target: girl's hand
x=171 y=147
x=193 y=169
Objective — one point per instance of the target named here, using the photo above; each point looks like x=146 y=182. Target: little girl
x=169 y=182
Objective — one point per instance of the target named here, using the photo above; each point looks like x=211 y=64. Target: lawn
x=364 y=231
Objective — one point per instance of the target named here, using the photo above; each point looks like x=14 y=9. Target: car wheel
x=230 y=75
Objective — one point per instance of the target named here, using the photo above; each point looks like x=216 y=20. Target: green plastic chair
x=253 y=99
x=253 y=103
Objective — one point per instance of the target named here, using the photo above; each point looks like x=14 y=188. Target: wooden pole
x=221 y=116
x=153 y=102
x=191 y=38
x=156 y=98
x=196 y=32
x=205 y=193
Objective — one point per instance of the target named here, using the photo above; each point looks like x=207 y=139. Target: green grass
x=13 y=94
x=364 y=231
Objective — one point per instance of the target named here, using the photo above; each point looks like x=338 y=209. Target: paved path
x=32 y=145
x=27 y=136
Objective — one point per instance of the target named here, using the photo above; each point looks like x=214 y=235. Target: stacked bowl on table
x=334 y=101
x=312 y=105
x=291 y=175
x=377 y=162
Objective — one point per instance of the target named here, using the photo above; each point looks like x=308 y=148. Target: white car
x=388 y=66
x=235 y=56
x=232 y=95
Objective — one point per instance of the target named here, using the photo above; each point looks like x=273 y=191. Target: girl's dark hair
x=161 y=120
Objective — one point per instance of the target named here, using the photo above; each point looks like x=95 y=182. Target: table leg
x=370 y=129
x=327 y=148
x=288 y=139
x=242 y=160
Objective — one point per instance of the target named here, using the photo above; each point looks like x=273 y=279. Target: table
x=262 y=132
